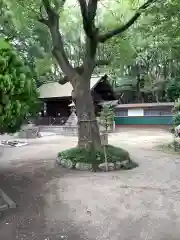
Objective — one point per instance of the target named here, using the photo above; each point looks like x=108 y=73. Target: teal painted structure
x=144 y=120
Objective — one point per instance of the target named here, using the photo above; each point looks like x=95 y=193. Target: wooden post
x=175 y=145
x=104 y=142
x=105 y=158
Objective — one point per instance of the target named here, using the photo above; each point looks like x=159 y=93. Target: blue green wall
x=146 y=120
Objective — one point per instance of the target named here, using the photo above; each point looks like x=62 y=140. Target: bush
x=173 y=89
x=176 y=119
x=18 y=92
x=176 y=107
x=114 y=154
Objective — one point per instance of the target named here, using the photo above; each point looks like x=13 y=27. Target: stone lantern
x=45 y=109
x=72 y=120
x=72 y=106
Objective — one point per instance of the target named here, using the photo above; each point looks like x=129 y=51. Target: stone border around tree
x=88 y=167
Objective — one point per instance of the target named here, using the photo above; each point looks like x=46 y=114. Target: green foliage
x=173 y=89
x=30 y=38
x=107 y=117
x=176 y=113
x=155 y=40
x=18 y=94
x=176 y=119
x=176 y=107
x=4 y=44
x=149 y=49
x=24 y=16
x=114 y=154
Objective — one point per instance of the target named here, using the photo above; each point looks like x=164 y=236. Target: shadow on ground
x=26 y=185
x=141 y=204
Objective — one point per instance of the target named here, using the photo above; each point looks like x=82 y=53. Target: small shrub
x=107 y=117
x=176 y=119
x=176 y=107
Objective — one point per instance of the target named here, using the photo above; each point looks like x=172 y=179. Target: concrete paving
x=55 y=203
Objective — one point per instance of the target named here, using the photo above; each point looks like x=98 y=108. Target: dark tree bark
x=88 y=130
x=80 y=70
x=89 y=136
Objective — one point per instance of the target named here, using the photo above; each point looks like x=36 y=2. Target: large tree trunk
x=88 y=129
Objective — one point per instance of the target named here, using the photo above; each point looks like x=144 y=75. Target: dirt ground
x=55 y=203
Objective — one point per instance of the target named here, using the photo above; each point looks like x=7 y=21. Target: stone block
x=83 y=166
x=66 y=163
x=122 y=164
x=111 y=166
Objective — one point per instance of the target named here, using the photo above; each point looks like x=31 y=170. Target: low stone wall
x=29 y=133
x=33 y=131
x=67 y=130
x=60 y=130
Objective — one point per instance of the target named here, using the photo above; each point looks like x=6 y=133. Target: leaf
x=4 y=44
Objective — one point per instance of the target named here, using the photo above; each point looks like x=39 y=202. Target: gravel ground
x=55 y=203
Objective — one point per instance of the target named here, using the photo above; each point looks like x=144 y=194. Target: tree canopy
x=136 y=42
x=154 y=66
x=25 y=16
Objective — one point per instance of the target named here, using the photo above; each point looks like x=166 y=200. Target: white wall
x=136 y=112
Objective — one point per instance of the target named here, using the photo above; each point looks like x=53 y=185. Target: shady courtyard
x=54 y=203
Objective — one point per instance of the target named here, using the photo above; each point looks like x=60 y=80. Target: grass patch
x=114 y=154
x=168 y=148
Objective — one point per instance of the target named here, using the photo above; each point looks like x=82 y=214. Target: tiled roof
x=55 y=90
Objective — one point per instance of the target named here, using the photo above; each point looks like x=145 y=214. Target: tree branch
x=83 y=7
x=59 y=4
x=58 y=51
x=84 y=13
x=80 y=70
x=92 y=8
x=88 y=13
x=104 y=37
x=42 y=19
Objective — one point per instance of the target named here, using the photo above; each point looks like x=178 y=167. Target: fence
x=46 y=121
